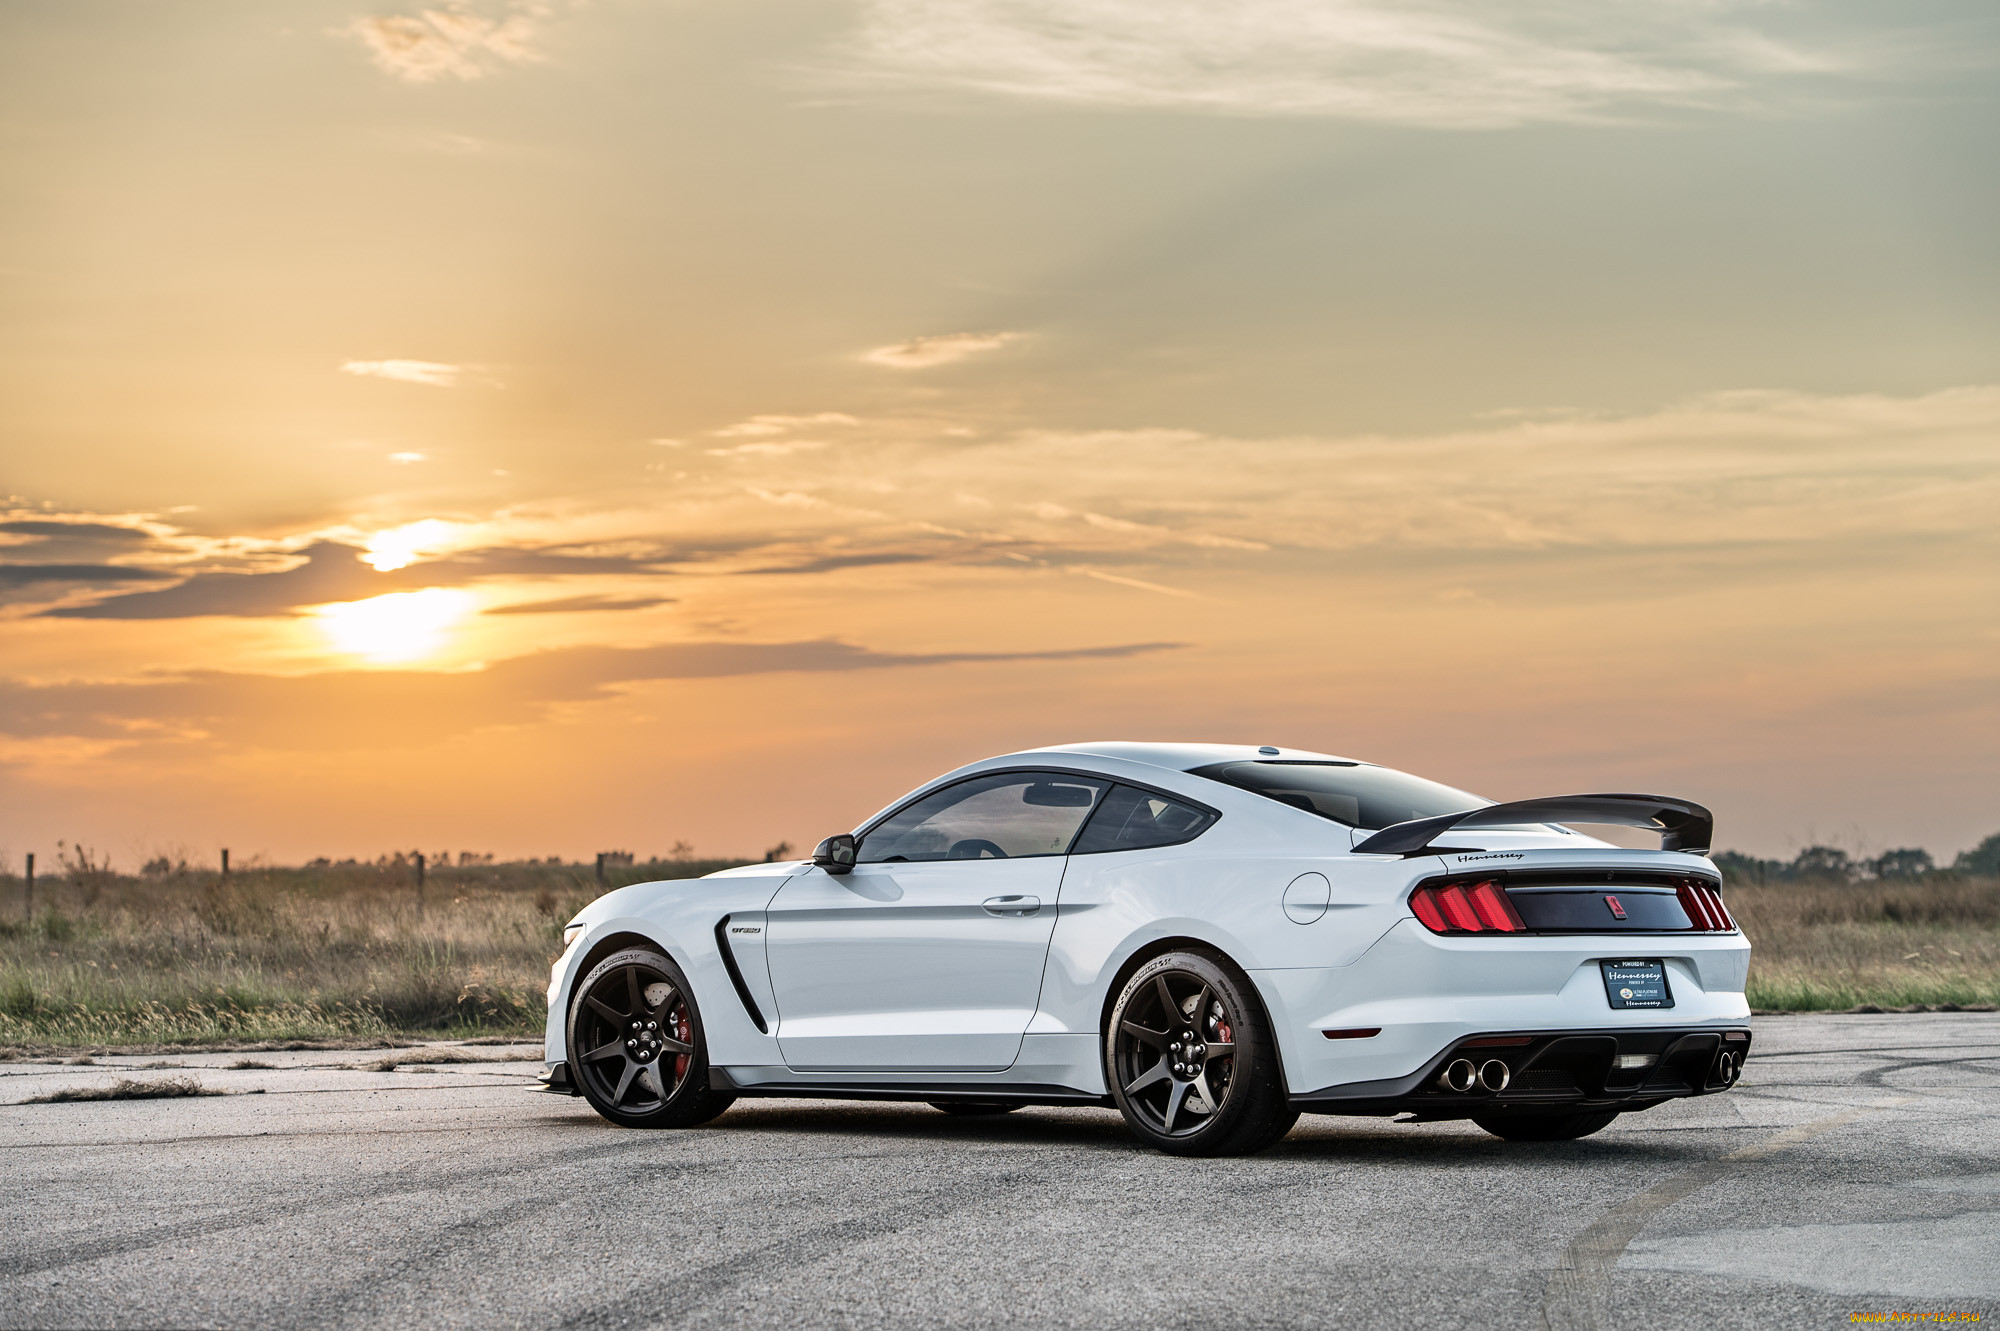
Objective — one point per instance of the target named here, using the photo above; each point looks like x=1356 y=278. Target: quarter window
x=1009 y=815
x=1132 y=819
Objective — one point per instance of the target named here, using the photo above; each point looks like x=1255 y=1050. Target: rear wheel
x=1191 y=1063
x=973 y=1108
x=636 y=1048
x=1543 y=1127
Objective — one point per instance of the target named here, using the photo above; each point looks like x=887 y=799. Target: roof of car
x=1183 y=757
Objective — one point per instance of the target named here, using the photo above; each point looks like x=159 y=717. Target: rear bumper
x=1573 y=1071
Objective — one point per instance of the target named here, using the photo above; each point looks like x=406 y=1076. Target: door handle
x=1012 y=905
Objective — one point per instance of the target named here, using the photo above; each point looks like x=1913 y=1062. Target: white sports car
x=1212 y=938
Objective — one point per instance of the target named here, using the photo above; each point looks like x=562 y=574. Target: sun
x=400 y=626
x=398 y=547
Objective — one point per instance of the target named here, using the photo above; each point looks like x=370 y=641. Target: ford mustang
x=1213 y=939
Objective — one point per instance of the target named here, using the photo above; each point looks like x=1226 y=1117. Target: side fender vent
x=736 y=975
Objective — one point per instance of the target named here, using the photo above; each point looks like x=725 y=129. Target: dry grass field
x=1833 y=945
x=330 y=953
x=346 y=953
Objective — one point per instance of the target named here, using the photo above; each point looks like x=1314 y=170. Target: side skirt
x=1021 y=1093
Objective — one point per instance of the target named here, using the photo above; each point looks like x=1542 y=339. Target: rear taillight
x=1703 y=905
x=1461 y=908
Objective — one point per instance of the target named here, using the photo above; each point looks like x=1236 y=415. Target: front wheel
x=636 y=1048
x=1544 y=1127
x=1191 y=1062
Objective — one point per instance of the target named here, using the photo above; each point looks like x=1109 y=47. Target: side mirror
x=836 y=853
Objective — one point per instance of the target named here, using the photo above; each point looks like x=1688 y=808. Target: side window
x=1129 y=819
x=1008 y=815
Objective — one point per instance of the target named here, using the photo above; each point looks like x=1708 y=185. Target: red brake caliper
x=684 y=1032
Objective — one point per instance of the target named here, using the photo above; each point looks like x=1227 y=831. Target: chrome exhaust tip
x=1459 y=1075
x=1494 y=1076
x=1727 y=1068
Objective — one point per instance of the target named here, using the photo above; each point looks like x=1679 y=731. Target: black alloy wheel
x=1190 y=1061
x=973 y=1108
x=635 y=1044
x=1544 y=1127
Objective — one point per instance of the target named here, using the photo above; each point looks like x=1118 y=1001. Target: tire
x=1219 y=1093
x=973 y=1108
x=1544 y=1127
x=637 y=1050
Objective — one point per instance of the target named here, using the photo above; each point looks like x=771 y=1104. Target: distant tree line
x=1831 y=863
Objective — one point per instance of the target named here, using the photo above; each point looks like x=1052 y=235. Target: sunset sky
x=548 y=426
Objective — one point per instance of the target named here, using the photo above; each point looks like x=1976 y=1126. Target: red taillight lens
x=1495 y=911
x=1459 y=909
x=1704 y=907
x=1696 y=908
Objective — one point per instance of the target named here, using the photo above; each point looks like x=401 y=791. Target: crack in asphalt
x=1578 y=1292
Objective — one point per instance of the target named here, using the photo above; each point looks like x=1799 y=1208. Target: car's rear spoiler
x=1682 y=824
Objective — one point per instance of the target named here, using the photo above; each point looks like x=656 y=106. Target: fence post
x=225 y=861
x=420 y=884
x=31 y=887
x=600 y=868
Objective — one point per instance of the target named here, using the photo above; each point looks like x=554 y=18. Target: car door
x=928 y=955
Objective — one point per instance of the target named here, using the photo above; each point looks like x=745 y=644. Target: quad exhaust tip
x=1494 y=1076
x=1459 y=1075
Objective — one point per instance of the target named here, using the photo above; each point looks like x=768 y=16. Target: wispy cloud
x=922 y=353
x=403 y=708
x=570 y=605
x=434 y=373
x=453 y=41
x=765 y=426
x=328 y=571
x=1444 y=63
x=769 y=449
x=1121 y=580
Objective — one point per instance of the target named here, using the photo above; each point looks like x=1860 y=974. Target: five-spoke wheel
x=636 y=1049
x=1190 y=1061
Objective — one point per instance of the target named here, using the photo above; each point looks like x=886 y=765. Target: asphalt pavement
x=1855 y=1170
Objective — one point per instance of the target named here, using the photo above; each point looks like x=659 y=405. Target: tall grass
x=319 y=954
x=1836 y=945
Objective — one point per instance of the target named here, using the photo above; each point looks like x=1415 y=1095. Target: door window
x=1132 y=819
x=1008 y=815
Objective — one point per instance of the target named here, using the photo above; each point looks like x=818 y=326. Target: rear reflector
x=1355 y=1033
x=1498 y=1042
x=1457 y=908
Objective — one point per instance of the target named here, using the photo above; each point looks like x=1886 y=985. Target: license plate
x=1636 y=984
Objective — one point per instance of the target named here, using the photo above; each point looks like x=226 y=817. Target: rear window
x=1355 y=794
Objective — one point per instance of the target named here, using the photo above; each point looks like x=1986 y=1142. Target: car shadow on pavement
x=1314 y=1139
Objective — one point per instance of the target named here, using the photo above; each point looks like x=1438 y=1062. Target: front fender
x=680 y=919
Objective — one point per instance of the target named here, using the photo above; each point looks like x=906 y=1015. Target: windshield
x=1356 y=794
